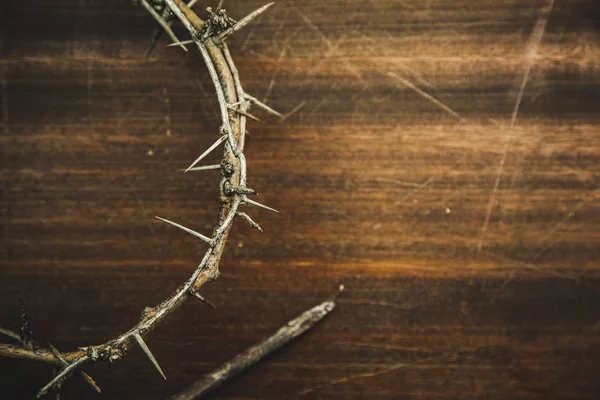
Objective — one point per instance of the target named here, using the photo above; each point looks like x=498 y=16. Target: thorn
x=244 y=113
x=257 y=204
x=11 y=334
x=188 y=230
x=230 y=189
x=168 y=16
x=142 y=344
x=25 y=333
x=162 y=22
x=262 y=105
x=65 y=364
x=250 y=220
x=211 y=148
x=244 y=21
x=179 y=43
x=201 y=298
x=220 y=5
x=203 y=168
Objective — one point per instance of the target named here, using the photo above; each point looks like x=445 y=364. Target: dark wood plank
x=385 y=178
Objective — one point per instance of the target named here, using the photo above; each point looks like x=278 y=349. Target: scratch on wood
x=421 y=364
x=329 y=45
x=566 y=217
x=530 y=55
x=425 y=95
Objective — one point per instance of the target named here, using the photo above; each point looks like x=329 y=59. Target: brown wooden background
x=385 y=183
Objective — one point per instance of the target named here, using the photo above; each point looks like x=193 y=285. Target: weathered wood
x=384 y=183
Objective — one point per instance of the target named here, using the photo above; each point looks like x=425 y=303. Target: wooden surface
x=468 y=244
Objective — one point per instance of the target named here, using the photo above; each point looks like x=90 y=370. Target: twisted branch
x=209 y=38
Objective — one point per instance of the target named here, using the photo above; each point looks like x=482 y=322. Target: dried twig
x=254 y=354
x=233 y=168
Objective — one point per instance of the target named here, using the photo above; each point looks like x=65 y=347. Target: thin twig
x=249 y=220
x=254 y=354
x=90 y=381
x=61 y=376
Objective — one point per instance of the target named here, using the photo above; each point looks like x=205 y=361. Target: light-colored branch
x=254 y=354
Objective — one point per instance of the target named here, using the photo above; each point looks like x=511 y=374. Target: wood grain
x=385 y=178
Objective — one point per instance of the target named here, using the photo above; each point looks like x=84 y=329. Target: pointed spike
x=188 y=230
x=179 y=43
x=158 y=30
x=146 y=350
x=10 y=334
x=244 y=21
x=204 y=168
x=201 y=298
x=257 y=204
x=162 y=22
x=220 y=5
x=249 y=220
x=244 y=113
x=211 y=148
x=263 y=105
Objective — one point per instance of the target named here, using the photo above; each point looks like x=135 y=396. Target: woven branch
x=209 y=37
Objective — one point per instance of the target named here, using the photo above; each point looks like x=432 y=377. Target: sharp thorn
x=257 y=204
x=244 y=21
x=220 y=5
x=146 y=350
x=204 y=168
x=211 y=148
x=201 y=298
x=154 y=37
x=249 y=220
x=11 y=334
x=188 y=230
x=164 y=24
x=244 y=113
x=262 y=105
x=180 y=43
